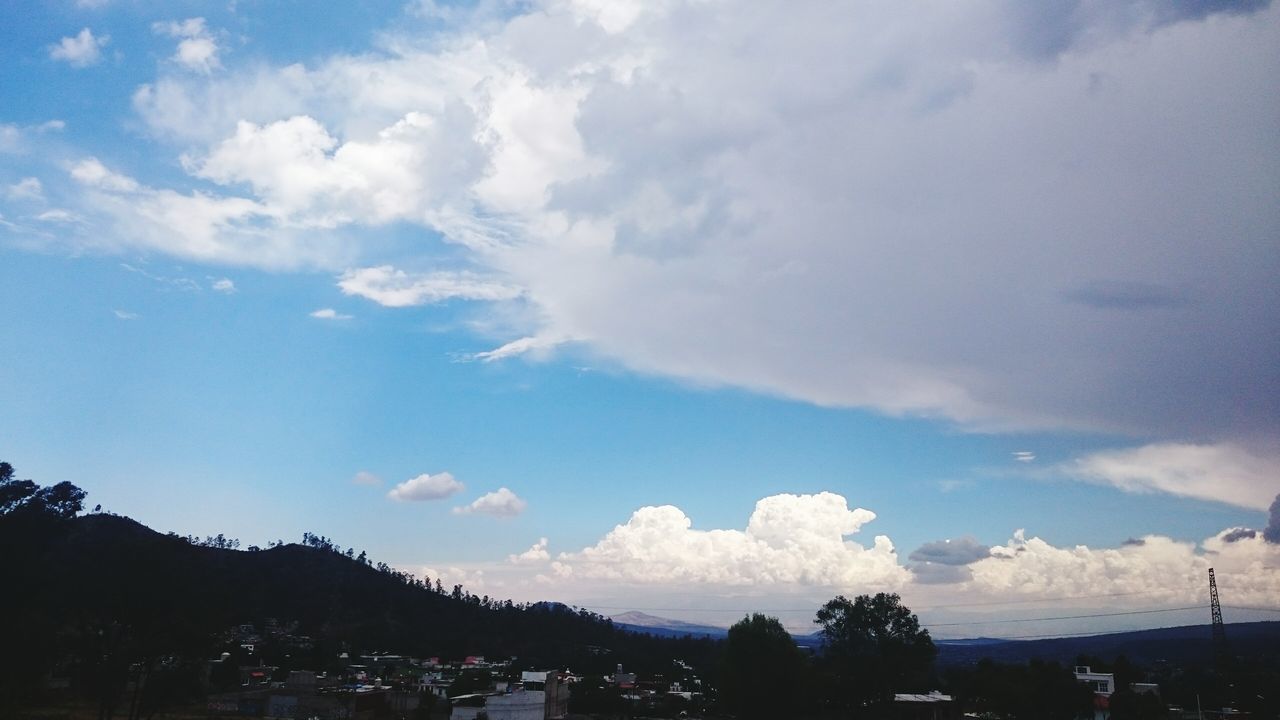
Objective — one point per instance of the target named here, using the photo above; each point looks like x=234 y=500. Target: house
x=1103 y=685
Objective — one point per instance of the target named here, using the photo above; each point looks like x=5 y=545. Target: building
x=924 y=706
x=538 y=696
x=1103 y=685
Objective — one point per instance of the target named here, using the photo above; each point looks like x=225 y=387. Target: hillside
x=102 y=579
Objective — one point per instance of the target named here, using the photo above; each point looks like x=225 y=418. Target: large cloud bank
x=1003 y=214
x=799 y=541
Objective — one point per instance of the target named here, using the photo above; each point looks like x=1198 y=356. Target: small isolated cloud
x=960 y=551
x=499 y=503
x=536 y=554
x=224 y=285
x=197 y=49
x=82 y=50
x=124 y=315
x=426 y=487
x=1024 y=456
x=25 y=189
x=390 y=287
x=533 y=345
x=364 y=477
x=57 y=215
x=1223 y=472
x=329 y=314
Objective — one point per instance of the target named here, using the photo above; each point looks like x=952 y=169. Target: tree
x=761 y=668
x=872 y=647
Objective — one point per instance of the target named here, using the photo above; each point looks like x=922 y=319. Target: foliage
x=872 y=648
x=761 y=669
x=1035 y=690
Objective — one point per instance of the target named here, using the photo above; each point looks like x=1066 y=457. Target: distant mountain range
x=665 y=627
x=1183 y=644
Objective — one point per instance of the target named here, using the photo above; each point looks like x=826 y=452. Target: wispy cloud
x=329 y=314
x=124 y=315
x=223 y=285
x=364 y=477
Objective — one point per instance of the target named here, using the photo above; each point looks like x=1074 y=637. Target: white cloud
x=1221 y=472
x=82 y=50
x=57 y=215
x=535 y=554
x=499 y=503
x=1024 y=456
x=28 y=188
x=390 y=287
x=426 y=487
x=224 y=285
x=329 y=314
x=364 y=477
x=92 y=172
x=123 y=315
x=198 y=226
x=789 y=539
x=1159 y=568
x=964 y=216
x=197 y=48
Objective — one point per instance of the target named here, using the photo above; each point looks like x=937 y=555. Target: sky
x=693 y=307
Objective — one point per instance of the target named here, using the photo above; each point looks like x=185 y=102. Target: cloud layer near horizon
x=966 y=213
x=797 y=543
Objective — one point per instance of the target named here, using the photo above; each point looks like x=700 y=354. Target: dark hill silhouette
x=1183 y=645
x=103 y=584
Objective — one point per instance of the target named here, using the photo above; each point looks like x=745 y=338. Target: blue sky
x=993 y=271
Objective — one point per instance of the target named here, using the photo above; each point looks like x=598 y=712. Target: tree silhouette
x=760 y=657
x=872 y=648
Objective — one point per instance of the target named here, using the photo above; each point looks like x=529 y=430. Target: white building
x=1102 y=684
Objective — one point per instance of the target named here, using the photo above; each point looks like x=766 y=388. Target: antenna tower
x=1219 y=630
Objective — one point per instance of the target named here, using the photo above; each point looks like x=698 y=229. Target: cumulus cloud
x=426 y=487
x=737 y=220
x=1160 y=568
x=796 y=539
x=962 y=217
x=1221 y=472
x=197 y=48
x=535 y=554
x=329 y=314
x=390 y=287
x=364 y=477
x=82 y=50
x=499 y=503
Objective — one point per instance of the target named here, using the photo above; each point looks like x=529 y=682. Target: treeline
x=97 y=597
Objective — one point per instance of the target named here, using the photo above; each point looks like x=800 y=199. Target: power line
x=1065 y=617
